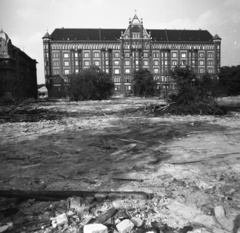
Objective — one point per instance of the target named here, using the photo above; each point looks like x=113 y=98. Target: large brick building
x=120 y=52
x=18 y=73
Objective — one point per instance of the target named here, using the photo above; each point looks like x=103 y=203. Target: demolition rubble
x=117 y=166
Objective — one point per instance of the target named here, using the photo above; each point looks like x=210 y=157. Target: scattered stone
x=221 y=218
x=4 y=228
x=219 y=212
x=153 y=230
x=206 y=221
x=218 y=230
x=70 y=213
x=125 y=226
x=59 y=220
x=74 y=203
x=137 y=221
x=95 y=228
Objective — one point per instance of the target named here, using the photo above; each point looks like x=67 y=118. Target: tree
x=143 y=83
x=91 y=84
x=229 y=77
x=195 y=94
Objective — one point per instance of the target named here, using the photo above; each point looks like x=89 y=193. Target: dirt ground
x=192 y=163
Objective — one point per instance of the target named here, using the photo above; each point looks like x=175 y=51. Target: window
x=209 y=54
x=145 y=63
x=117 y=88
x=127 y=63
x=127 y=71
x=116 y=54
x=56 y=63
x=201 y=70
x=65 y=55
x=116 y=63
x=96 y=54
x=127 y=87
x=155 y=54
x=210 y=62
x=136 y=35
x=66 y=71
x=136 y=62
x=174 y=54
x=145 y=54
x=183 y=62
x=210 y=70
x=174 y=62
x=127 y=79
x=76 y=63
x=201 y=63
x=76 y=54
x=164 y=54
x=117 y=79
x=201 y=54
x=66 y=63
x=116 y=71
x=76 y=71
x=86 y=54
x=86 y=63
x=96 y=63
x=55 y=54
x=106 y=63
x=56 y=71
x=156 y=70
x=156 y=63
x=183 y=54
x=107 y=70
x=127 y=55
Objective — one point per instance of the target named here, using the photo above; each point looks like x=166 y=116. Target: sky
x=27 y=21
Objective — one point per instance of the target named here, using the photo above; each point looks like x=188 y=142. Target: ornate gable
x=135 y=30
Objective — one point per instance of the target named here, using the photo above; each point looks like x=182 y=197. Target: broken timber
x=50 y=195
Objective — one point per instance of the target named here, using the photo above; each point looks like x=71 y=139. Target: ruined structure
x=18 y=76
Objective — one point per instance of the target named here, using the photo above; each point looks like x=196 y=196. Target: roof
x=216 y=37
x=46 y=36
x=96 y=34
x=180 y=35
x=99 y=34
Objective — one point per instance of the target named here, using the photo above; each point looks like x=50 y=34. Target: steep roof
x=181 y=35
x=216 y=37
x=95 y=34
x=99 y=34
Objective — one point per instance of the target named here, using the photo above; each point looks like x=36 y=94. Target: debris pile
x=101 y=215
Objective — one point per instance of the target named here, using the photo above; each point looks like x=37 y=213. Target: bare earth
x=191 y=162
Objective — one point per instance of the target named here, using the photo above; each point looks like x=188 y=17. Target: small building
x=18 y=72
x=120 y=52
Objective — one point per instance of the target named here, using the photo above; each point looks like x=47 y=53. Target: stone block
x=137 y=221
x=125 y=226
x=59 y=220
x=95 y=228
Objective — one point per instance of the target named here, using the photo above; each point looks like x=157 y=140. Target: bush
x=91 y=84
x=195 y=95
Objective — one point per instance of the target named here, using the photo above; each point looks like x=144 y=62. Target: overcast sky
x=26 y=21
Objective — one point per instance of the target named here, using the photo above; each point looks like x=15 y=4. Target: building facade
x=18 y=73
x=120 y=52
